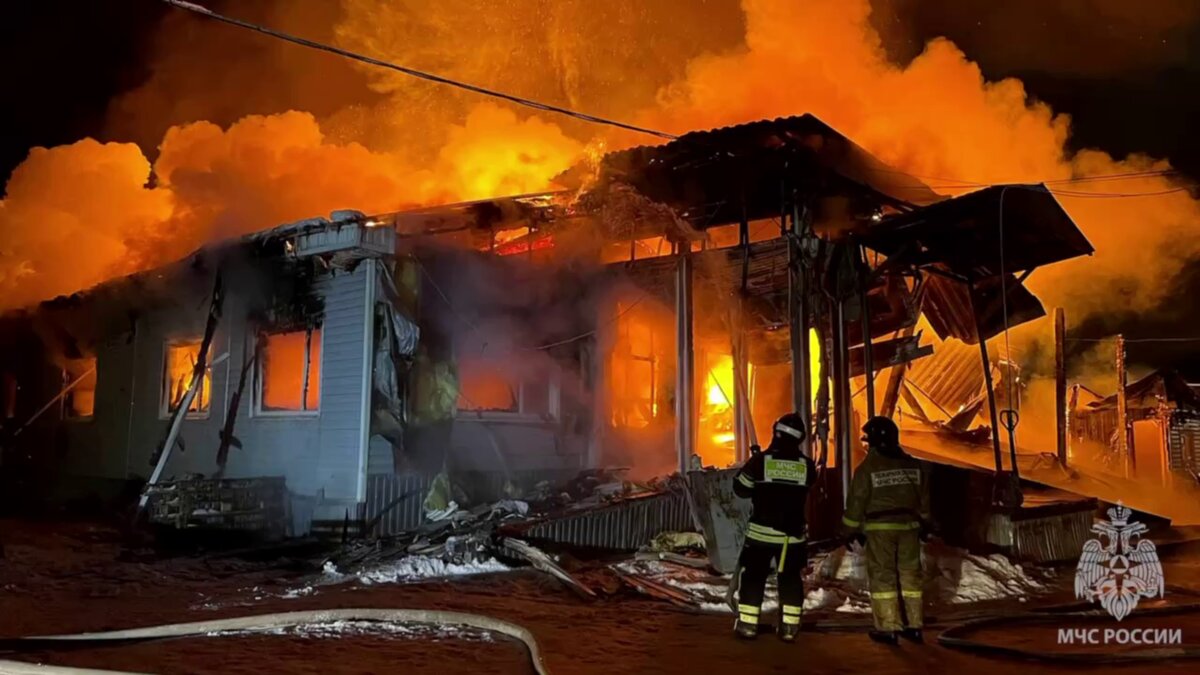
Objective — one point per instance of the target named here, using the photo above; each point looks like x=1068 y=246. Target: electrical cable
x=412 y=72
x=1128 y=340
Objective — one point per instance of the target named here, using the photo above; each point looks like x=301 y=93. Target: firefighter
x=777 y=482
x=889 y=505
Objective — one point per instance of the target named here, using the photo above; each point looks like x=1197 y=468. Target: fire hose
x=954 y=637
x=256 y=623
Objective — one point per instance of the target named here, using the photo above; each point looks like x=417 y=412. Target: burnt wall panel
x=478 y=445
x=318 y=454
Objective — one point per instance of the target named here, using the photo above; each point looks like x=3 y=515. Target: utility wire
x=312 y=44
x=1129 y=340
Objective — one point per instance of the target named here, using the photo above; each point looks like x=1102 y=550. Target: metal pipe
x=685 y=439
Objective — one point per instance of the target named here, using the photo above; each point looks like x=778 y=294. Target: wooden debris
x=657 y=590
x=541 y=561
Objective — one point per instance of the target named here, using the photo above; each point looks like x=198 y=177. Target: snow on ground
x=964 y=578
x=951 y=574
x=708 y=592
x=330 y=629
x=853 y=606
x=412 y=568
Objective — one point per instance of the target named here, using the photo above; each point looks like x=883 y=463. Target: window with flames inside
x=179 y=363
x=289 y=372
x=79 y=380
x=491 y=388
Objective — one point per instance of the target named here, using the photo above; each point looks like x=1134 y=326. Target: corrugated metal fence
x=624 y=525
x=384 y=489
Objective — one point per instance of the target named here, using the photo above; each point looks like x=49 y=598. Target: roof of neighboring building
x=1144 y=394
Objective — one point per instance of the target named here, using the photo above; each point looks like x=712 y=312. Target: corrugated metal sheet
x=1185 y=442
x=383 y=489
x=480 y=487
x=1053 y=538
x=953 y=376
x=723 y=516
x=623 y=526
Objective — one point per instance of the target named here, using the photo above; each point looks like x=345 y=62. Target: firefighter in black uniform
x=777 y=481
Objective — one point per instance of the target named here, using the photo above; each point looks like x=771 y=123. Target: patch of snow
x=821 y=598
x=294 y=593
x=844 y=565
x=510 y=507
x=975 y=578
x=413 y=568
x=854 y=607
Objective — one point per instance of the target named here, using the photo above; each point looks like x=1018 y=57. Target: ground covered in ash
x=75 y=577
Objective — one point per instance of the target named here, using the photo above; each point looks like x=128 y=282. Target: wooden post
x=740 y=402
x=1123 y=445
x=199 y=371
x=987 y=380
x=842 y=407
x=685 y=384
x=865 y=316
x=1060 y=384
x=799 y=325
x=891 y=393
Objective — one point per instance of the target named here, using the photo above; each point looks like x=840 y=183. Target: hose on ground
x=954 y=637
x=260 y=622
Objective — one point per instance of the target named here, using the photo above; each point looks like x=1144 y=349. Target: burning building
x=655 y=315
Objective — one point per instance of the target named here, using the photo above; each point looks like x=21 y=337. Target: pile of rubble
x=548 y=530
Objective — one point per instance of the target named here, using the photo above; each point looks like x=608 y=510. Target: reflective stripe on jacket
x=890 y=491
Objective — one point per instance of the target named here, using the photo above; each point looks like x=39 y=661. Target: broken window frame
x=521 y=414
x=66 y=411
x=259 y=341
x=164 y=391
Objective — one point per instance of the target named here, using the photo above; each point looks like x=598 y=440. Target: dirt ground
x=64 y=578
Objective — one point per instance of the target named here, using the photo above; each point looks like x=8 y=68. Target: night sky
x=1128 y=86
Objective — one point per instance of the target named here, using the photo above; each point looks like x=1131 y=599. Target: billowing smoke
x=937 y=117
x=377 y=141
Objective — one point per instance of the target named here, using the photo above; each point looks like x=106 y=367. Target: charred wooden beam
x=1060 y=386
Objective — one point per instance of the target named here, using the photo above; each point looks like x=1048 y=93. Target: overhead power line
x=1130 y=340
x=312 y=44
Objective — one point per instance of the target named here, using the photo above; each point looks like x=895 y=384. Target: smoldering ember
x=742 y=342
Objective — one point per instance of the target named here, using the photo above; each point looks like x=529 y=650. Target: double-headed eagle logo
x=1118 y=573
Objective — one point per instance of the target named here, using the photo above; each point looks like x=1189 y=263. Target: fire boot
x=745 y=630
x=913 y=635
x=789 y=631
x=883 y=637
